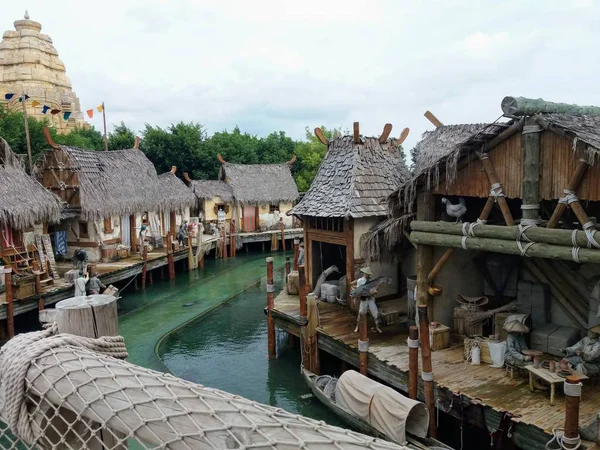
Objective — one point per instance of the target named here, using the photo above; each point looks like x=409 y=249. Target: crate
x=460 y=328
x=439 y=337
x=123 y=253
x=23 y=286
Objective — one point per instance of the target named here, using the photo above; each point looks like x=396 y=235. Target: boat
x=359 y=424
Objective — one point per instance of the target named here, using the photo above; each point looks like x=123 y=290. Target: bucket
x=497 y=351
x=411 y=285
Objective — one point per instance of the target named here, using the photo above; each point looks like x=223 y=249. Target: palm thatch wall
x=260 y=183
x=209 y=189
x=173 y=188
x=23 y=201
x=354 y=179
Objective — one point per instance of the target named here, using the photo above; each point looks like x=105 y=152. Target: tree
x=310 y=154
x=85 y=138
x=12 y=129
x=121 y=137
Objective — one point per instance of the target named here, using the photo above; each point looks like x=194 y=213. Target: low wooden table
x=550 y=377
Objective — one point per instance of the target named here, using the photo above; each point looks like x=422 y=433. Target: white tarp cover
x=382 y=407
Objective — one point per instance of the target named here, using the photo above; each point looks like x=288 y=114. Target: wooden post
x=232 y=249
x=172 y=223
x=349 y=232
x=424 y=268
x=170 y=258
x=281 y=227
x=104 y=121
x=191 y=265
x=27 y=138
x=413 y=361
x=312 y=347
x=531 y=170
x=572 y=389
x=38 y=284
x=427 y=373
x=440 y=265
x=363 y=344
x=573 y=185
x=304 y=351
x=270 y=305
x=145 y=266
x=223 y=243
x=302 y=292
x=487 y=209
x=10 y=313
x=150 y=277
x=287 y=268
x=296 y=252
x=493 y=178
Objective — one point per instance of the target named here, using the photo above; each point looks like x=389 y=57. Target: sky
x=270 y=65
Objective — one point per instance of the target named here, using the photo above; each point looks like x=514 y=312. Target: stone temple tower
x=29 y=64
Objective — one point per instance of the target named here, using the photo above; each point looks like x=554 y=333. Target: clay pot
x=552 y=367
x=536 y=361
x=564 y=365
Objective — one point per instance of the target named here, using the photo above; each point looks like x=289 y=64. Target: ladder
x=40 y=249
x=50 y=256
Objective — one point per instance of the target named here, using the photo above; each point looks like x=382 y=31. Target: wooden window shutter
x=108 y=225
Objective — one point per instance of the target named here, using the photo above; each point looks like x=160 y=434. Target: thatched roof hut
x=354 y=179
x=260 y=183
x=23 y=201
x=209 y=189
x=175 y=189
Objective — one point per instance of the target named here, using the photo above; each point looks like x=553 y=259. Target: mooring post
x=572 y=388
x=427 y=373
x=296 y=252
x=312 y=346
x=363 y=343
x=10 y=317
x=302 y=292
x=144 y=267
x=232 y=249
x=303 y=317
x=270 y=304
x=150 y=279
x=413 y=361
x=38 y=284
x=281 y=227
x=170 y=258
x=287 y=268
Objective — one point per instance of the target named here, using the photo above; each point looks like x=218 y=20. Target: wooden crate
x=123 y=253
x=23 y=287
x=459 y=324
x=439 y=337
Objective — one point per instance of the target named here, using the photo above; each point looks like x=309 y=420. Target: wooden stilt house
x=184 y=200
x=108 y=195
x=212 y=195
x=347 y=198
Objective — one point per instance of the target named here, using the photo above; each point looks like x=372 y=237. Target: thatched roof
x=584 y=128
x=260 y=183
x=354 y=179
x=23 y=201
x=209 y=189
x=174 y=189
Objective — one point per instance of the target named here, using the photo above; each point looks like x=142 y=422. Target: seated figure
x=584 y=356
x=515 y=343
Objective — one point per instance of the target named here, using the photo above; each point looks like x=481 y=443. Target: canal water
x=209 y=327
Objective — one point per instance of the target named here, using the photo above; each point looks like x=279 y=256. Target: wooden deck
x=488 y=391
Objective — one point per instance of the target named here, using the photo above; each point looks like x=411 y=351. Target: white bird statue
x=455 y=210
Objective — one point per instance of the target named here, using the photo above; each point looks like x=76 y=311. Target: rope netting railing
x=60 y=391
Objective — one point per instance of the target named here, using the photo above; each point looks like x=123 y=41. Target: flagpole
x=27 y=134
x=104 y=119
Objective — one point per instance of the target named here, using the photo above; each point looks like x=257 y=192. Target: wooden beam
x=440 y=265
x=573 y=185
x=493 y=179
x=434 y=120
x=187 y=178
x=403 y=136
x=356 y=133
x=321 y=137
x=387 y=129
x=136 y=143
x=49 y=139
x=291 y=161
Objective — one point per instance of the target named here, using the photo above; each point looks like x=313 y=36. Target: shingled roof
x=208 y=189
x=23 y=201
x=354 y=179
x=260 y=183
x=176 y=190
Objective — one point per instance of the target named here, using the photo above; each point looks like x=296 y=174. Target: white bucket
x=497 y=351
x=475 y=355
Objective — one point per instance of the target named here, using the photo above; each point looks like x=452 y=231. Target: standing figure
x=141 y=238
x=182 y=234
x=515 y=343
x=301 y=254
x=367 y=302
x=94 y=285
x=584 y=356
x=80 y=283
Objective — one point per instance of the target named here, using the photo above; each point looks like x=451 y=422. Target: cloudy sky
x=268 y=65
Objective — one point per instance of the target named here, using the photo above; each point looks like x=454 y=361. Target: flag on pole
x=90 y=113
x=35 y=103
x=8 y=96
x=100 y=108
x=66 y=115
x=55 y=112
x=21 y=98
x=45 y=109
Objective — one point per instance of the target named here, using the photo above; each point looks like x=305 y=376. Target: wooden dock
x=487 y=392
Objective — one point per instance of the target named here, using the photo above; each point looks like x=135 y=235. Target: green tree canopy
x=310 y=154
x=121 y=137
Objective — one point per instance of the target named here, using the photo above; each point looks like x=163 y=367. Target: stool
x=510 y=370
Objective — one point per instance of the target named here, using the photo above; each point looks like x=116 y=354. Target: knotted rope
x=17 y=356
x=523 y=237
x=570 y=197
x=560 y=439
x=468 y=230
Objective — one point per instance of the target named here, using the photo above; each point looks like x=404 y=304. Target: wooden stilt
x=304 y=350
x=427 y=373
x=287 y=268
x=572 y=411
x=424 y=268
x=263 y=246
x=162 y=273
x=440 y=265
x=170 y=258
x=281 y=227
x=38 y=284
x=493 y=178
x=144 y=267
x=232 y=249
x=172 y=223
x=135 y=283
x=223 y=243
x=291 y=341
x=191 y=265
x=573 y=185
x=413 y=362
x=302 y=292
x=363 y=344
x=487 y=209
x=10 y=312
x=311 y=334
x=150 y=278
x=296 y=251
x=270 y=304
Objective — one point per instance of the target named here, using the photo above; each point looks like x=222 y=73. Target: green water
x=218 y=343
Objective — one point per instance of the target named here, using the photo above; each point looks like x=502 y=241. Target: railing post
x=363 y=343
x=270 y=304
x=145 y=266
x=572 y=388
x=427 y=373
x=232 y=249
x=281 y=227
x=10 y=313
x=287 y=269
x=191 y=265
x=296 y=251
x=413 y=361
x=170 y=258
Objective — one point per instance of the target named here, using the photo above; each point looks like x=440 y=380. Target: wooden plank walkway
x=483 y=385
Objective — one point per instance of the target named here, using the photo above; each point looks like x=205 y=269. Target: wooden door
x=248 y=218
x=125 y=230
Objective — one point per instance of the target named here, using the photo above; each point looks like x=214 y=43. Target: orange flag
x=35 y=103
x=90 y=113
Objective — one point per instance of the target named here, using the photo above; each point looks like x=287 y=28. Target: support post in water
x=223 y=243
x=572 y=388
x=232 y=249
x=303 y=317
x=270 y=304
x=413 y=361
x=287 y=268
x=10 y=312
x=170 y=258
x=296 y=252
x=363 y=344
x=191 y=265
x=145 y=266
x=281 y=227
x=427 y=373
x=38 y=284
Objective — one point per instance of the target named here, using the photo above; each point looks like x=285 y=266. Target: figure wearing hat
x=301 y=254
x=515 y=342
x=367 y=303
x=584 y=356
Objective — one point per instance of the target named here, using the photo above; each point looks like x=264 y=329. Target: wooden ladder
x=50 y=256
x=41 y=253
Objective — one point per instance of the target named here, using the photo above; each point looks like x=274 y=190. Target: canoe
x=362 y=426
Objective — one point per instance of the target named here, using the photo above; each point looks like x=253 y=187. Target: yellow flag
x=100 y=108
x=35 y=103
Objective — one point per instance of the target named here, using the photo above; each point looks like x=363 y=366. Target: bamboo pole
x=572 y=411
x=487 y=209
x=170 y=258
x=424 y=267
x=270 y=305
x=531 y=169
x=145 y=266
x=413 y=362
x=281 y=227
x=27 y=138
x=296 y=252
x=363 y=344
x=493 y=178
x=440 y=265
x=10 y=312
x=555 y=236
x=427 y=373
x=538 y=250
x=104 y=121
x=573 y=185
x=191 y=265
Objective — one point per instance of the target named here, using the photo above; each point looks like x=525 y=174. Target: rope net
x=74 y=398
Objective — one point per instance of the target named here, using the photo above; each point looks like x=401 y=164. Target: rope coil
x=496 y=191
x=270 y=288
x=412 y=343
x=522 y=228
x=572 y=389
x=560 y=439
x=363 y=346
x=427 y=376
